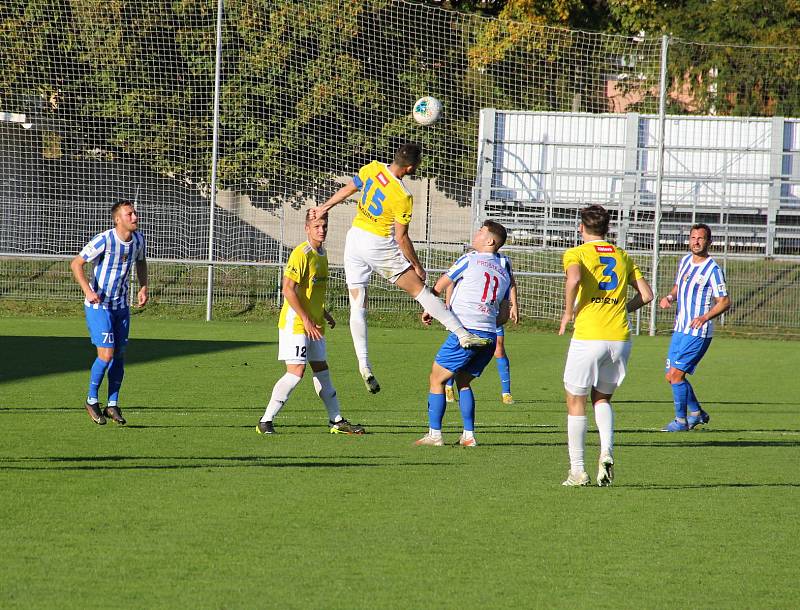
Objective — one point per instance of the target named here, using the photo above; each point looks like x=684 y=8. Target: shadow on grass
x=711 y=443
x=656 y=486
x=119 y=462
x=24 y=357
x=713 y=402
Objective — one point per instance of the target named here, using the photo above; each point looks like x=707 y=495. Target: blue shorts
x=501 y=332
x=108 y=327
x=455 y=358
x=686 y=351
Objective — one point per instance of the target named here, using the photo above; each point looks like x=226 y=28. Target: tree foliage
x=315 y=88
x=720 y=60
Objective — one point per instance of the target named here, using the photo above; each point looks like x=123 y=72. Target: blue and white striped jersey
x=482 y=281
x=698 y=286
x=113 y=260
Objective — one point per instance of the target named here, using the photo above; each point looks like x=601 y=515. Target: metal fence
x=225 y=125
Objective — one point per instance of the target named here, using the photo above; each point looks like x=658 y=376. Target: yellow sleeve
x=571 y=257
x=403 y=215
x=296 y=266
x=634 y=273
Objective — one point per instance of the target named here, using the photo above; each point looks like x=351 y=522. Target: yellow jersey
x=309 y=268
x=606 y=273
x=383 y=200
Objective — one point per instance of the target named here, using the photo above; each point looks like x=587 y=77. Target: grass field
x=188 y=507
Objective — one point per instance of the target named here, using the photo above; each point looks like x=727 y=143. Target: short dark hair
x=409 y=153
x=498 y=231
x=121 y=204
x=701 y=225
x=595 y=219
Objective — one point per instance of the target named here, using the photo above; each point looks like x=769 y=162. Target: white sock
x=604 y=417
x=576 y=439
x=358 y=328
x=280 y=394
x=436 y=308
x=326 y=391
x=468 y=434
x=434 y=433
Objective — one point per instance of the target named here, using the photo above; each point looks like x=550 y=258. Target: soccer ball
x=427 y=110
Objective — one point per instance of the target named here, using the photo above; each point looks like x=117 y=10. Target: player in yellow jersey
x=301 y=330
x=595 y=294
x=379 y=242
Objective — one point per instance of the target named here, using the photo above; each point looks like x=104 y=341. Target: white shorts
x=595 y=364
x=299 y=349
x=365 y=252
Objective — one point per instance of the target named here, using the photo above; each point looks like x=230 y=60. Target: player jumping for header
x=379 y=242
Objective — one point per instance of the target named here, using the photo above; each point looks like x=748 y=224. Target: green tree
x=720 y=60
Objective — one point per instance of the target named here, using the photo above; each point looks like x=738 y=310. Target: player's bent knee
x=358 y=297
x=296 y=369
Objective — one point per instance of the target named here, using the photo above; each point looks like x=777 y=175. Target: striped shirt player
x=301 y=330
x=698 y=287
x=113 y=260
x=480 y=285
x=598 y=275
x=700 y=294
x=113 y=254
x=500 y=356
x=482 y=280
x=378 y=242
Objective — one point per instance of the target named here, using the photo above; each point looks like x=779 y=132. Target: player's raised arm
x=343 y=193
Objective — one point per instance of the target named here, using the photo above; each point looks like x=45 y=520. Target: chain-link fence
x=224 y=125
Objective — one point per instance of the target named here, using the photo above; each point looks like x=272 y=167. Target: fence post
x=662 y=120
x=775 y=182
x=214 y=154
x=483 y=178
x=630 y=180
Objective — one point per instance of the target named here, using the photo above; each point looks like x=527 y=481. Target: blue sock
x=504 y=369
x=680 y=395
x=436 y=407
x=98 y=372
x=692 y=403
x=450 y=382
x=466 y=402
x=115 y=374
